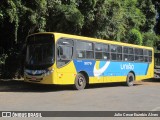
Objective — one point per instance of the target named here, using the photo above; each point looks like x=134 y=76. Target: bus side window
x=60 y=51
x=125 y=53
x=102 y=51
x=106 y=54
x=113 y=50
x=139 y=55
x=98 y=51
x=128 y=54
x=145 y=54
x=64 y=52
x=119 y=53
x=150 y=56
x=84 y=50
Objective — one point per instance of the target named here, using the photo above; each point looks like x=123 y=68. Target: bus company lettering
x=128 y=66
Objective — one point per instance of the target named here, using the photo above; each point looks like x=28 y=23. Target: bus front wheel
x=130 y=79
x=80 y=82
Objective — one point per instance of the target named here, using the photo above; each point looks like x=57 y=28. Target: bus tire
x=130 y=79
x=80 y=82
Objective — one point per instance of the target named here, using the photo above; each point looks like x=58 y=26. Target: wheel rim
x=80 y=81
x=131 y=79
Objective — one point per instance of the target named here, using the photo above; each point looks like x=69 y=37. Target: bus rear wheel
x=80 y=82
x=130 y=79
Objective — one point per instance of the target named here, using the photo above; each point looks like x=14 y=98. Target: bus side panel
x=114 y=79
x=150 y=73
x=93 y=80
x=65 y=74
x=112 y=71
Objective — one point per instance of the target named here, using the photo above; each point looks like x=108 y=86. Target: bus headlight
x=38 y=72
x=47 y=72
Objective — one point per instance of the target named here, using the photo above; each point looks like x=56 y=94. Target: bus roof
x=63 y=35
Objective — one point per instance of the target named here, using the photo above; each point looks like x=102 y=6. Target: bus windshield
x=40 y=51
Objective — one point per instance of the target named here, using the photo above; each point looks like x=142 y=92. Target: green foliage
x=37 y=17
x=149 y=11
x=149 y=39
x=105 y=19
x=12 y=13
x=133 y=15
x=129 y=21
x=64 y=17
x=3 y=58
x=115 y=18
x=135 y=37
x=1 y=17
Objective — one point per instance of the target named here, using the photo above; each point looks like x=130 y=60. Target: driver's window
x=64 y=52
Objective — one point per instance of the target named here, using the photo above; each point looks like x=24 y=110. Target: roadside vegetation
x=130 y=21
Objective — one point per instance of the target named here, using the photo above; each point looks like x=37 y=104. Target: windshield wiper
x=31 y=55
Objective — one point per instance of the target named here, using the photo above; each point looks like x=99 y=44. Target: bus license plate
x=33 y=78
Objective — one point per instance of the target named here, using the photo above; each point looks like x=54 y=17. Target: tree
x=135 y=37
x=131 y=21
x=64 y=17
x=149 y=39
x=148 y=9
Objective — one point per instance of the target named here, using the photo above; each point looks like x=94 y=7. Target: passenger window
x=113 y=56
x=146 y=59
x=128 y=54
x=98 y=51
x=98 y=47
x=116 y=52
x=145 y=52
x=84 y=50
x=139 y=58
x=130 y=51
x=64 y=51
x=130 y=57
x=119 y=49
x=136 y=51
x=150 y=53
x=150 y=59
x=102 y=51
x=113 y=48
x=89 y=46
x=98 y=55
x=81 y=45
x=139 y=55
x=140 y=51
x=119 y=56
x=119 y=53
x=125 y=58
x=106 y=56
x=89 y=54
x=150 y=56
x=80 y=54
x=105 y=48
x=125 y=50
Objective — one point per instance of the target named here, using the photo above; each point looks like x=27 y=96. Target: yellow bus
x=63 y=59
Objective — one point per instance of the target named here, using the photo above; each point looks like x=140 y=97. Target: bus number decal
x=87 y=63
